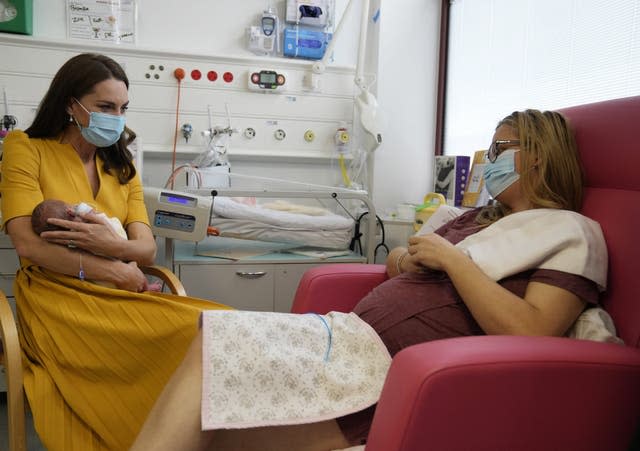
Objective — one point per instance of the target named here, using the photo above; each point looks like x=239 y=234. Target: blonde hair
x=551 y=174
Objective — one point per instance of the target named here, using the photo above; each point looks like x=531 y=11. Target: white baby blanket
x=540 y=238
x=594 y=324
x=229 y=208
x=264 y=369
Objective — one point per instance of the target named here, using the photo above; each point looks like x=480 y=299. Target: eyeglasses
x=495 y=148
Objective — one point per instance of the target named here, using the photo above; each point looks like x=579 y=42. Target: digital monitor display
x=267 y=77
x=172 y=198
x=178 y=200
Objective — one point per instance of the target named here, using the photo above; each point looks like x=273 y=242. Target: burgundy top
x=413 y=308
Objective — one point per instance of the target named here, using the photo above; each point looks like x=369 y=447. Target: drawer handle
x=251 y=274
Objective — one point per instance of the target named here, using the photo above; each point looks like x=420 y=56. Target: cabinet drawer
x=6 y=284
x=5 y=241
x=9 y=263
x=287 y=281
x=245 y=287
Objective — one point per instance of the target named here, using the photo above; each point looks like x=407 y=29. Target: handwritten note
x=102 y=20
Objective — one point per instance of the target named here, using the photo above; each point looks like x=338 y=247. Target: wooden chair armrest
x=11 y=359
x=167 y=277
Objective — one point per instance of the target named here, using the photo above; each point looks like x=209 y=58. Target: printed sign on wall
x=102 y=20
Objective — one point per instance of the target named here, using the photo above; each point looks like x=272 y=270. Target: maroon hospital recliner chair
x=523 y=393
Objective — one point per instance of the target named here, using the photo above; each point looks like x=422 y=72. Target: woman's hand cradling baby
x=433 y=252
x=133 y=279
x=93 y=234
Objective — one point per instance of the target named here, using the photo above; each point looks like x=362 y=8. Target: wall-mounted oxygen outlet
x=249 y=133
x=280 y=134
x=154 y=71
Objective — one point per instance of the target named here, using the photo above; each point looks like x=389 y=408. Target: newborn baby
x=53 y=208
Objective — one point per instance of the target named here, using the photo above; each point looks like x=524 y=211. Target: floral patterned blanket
x=265 y=369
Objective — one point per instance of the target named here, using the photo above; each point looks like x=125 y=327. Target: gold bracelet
x=399 y=262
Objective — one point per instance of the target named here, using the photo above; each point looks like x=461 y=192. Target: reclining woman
x=528 y=265
x=95 y=358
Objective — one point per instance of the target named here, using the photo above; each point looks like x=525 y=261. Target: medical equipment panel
x=178 y=215
x=315 y=13
x=303 y=43
x=266 y=80
x=265 y=38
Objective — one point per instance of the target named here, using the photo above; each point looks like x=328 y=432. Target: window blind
x=507 y=55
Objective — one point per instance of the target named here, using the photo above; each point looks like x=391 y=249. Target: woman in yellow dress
x=95 y=358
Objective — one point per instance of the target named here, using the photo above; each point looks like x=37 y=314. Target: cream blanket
x=264 y=368
x=541 y=238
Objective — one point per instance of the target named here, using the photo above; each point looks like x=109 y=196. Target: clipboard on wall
x=475 y=181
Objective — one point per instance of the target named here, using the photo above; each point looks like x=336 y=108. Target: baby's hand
x=154 y=286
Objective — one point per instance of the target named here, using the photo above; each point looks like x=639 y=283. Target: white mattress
x=237 y=220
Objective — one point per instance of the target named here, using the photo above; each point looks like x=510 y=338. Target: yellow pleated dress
x=95 y=358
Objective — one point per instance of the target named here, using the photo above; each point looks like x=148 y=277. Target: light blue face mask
x=501 y=174
x=103 y=129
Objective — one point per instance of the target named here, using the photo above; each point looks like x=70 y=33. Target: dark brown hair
x=76 y=78
x=48 y=208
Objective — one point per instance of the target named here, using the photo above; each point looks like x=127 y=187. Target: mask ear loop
x=72 y=118
x=81 y=105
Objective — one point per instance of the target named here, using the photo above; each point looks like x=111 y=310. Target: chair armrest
x=11 y=359
x=167 y=277
x=336 y=287
x=505 y=392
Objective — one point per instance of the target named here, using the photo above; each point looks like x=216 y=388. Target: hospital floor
x=33 y=442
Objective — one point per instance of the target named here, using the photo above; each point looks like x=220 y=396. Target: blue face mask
x=103 y=129
x=501 y=174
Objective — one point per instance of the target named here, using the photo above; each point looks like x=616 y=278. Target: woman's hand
x=400 y=261
x=432 y=251
x=94 y=235
x=132 y=279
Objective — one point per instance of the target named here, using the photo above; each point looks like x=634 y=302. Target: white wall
x=406 y=85
x=194 y=26
x=407 y=88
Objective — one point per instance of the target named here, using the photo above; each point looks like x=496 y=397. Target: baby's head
x=51 y=208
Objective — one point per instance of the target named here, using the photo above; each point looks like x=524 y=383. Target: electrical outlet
x=154 y=71
x=280 y=134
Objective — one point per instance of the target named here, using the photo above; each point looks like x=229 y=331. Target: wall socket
x=154 y=71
